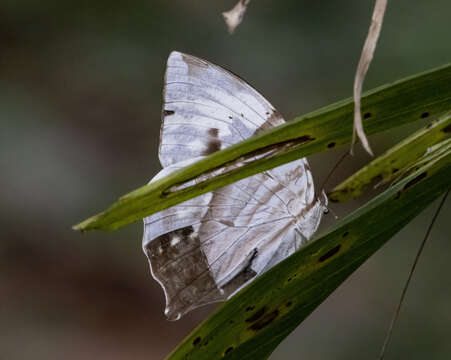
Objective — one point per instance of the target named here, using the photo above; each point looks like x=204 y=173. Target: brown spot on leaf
x=264 y=321
x=424 y=115
x=331 y=145
x=415 y=180
x=257 y=315
x=197 y=341
x=447 y=129
x=229 y=350
x=367 y=115
x=330 y=253
x=281 y=145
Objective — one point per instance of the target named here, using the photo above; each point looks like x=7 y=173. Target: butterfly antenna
x=326 y=180
x=404 y=291
x=337 y=164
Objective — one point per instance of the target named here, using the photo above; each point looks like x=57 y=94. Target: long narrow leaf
x=387 y=166
x=383 y=108
x=256 y=320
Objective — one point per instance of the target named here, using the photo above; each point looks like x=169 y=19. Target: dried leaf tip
x=364 y=63
x=234 y=16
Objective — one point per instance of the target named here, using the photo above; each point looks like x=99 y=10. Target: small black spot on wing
x=168 y=112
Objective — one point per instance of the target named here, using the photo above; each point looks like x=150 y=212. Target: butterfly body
x=207 y=248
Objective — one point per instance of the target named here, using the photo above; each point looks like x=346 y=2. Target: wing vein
x=222 y=89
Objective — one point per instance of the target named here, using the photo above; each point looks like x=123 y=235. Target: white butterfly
x=207 y=248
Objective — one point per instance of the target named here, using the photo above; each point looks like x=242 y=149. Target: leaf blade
x=388 y=106
x=284 y=296
x=387 y=166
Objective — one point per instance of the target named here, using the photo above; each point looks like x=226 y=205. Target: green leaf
x=404 y=101
x=252 y=323
x=394 y=161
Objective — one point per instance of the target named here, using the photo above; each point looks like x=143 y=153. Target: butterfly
x=206 y=249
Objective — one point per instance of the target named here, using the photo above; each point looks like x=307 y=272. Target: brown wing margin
x=186 y=279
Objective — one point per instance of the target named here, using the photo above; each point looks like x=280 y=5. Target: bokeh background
x=80 y=97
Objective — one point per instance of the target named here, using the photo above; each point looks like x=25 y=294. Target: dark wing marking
x=191 y=279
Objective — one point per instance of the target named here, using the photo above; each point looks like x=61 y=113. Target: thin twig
x=234 y=16
x=365 y=61
x=404 y=291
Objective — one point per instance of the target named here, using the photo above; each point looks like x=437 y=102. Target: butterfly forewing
x=207 y=248
x=207 y=108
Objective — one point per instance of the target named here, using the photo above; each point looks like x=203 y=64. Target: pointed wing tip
x=175 y=54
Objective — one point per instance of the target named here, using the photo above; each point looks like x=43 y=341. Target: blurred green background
x=80 y=97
